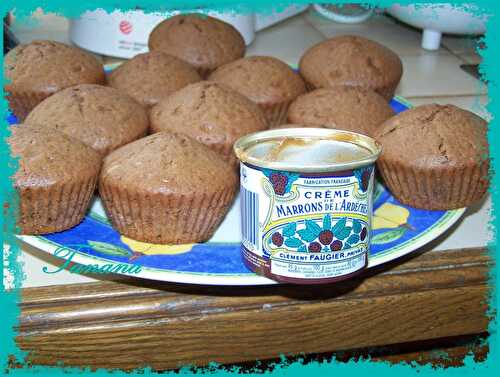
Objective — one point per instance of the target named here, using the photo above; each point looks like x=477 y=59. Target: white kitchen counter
x=428 y=77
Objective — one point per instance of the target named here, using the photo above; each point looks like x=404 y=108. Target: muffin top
x=103 y=118
x=350 y=60
x=152 y=76
x=345 y=108
x=433 y=136
x=210 y=112
x=168 y=163
x=202 y=41
x=49 y=157
x=47 y=67
x=263 y=79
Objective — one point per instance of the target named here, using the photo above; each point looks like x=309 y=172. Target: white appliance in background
x=436 y=19
x=125 y=34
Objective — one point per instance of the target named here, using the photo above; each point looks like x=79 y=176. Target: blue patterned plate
x=397 y=231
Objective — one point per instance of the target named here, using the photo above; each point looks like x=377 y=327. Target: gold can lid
x=307 y=149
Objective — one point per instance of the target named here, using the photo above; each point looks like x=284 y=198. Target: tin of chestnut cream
x=306 y=203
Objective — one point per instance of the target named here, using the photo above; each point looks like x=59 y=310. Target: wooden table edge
x=138 y=323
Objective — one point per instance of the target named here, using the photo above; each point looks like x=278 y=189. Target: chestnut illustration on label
x=304 y=219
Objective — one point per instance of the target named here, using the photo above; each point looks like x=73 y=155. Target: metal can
x=306 y=203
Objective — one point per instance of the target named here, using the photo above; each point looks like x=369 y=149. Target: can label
x=306 y=226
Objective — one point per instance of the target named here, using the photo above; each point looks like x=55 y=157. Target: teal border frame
x=9 y=299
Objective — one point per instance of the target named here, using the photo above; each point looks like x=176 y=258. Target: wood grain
x=143 y=323
x=441 y=356
x=442 y=352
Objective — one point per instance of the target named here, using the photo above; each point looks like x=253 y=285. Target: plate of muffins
x=133 y=165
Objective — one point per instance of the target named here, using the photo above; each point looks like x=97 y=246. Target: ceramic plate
x=397 y=231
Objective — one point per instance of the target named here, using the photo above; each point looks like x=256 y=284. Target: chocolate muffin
x=265 y=80
x=55 y=181
x=103 y=118
x=211 y=113
x=36 y=70
x=354 y=61
x=343 y=107
x=152 y=76
x=167 y=189
x=203 y=41
x=435 y=157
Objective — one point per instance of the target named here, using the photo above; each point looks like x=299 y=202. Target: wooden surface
x=442 y=352
x=145 y=323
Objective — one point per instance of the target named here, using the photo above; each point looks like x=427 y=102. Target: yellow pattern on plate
x=390 y=216
x=155 y=249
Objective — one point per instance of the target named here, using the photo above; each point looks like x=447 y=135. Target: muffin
x=344 y=108
x=36 y=70
x=211 y=113
x=101 y=117
x=55 y=181
x=265 y=80
x=354 y=61
x=152 y=76
x=435 y=157
x=202 y=41
x=167 y=189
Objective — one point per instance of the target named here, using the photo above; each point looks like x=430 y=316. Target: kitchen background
x=429 y=76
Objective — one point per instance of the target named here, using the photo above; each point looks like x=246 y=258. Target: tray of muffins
x=133 y=166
